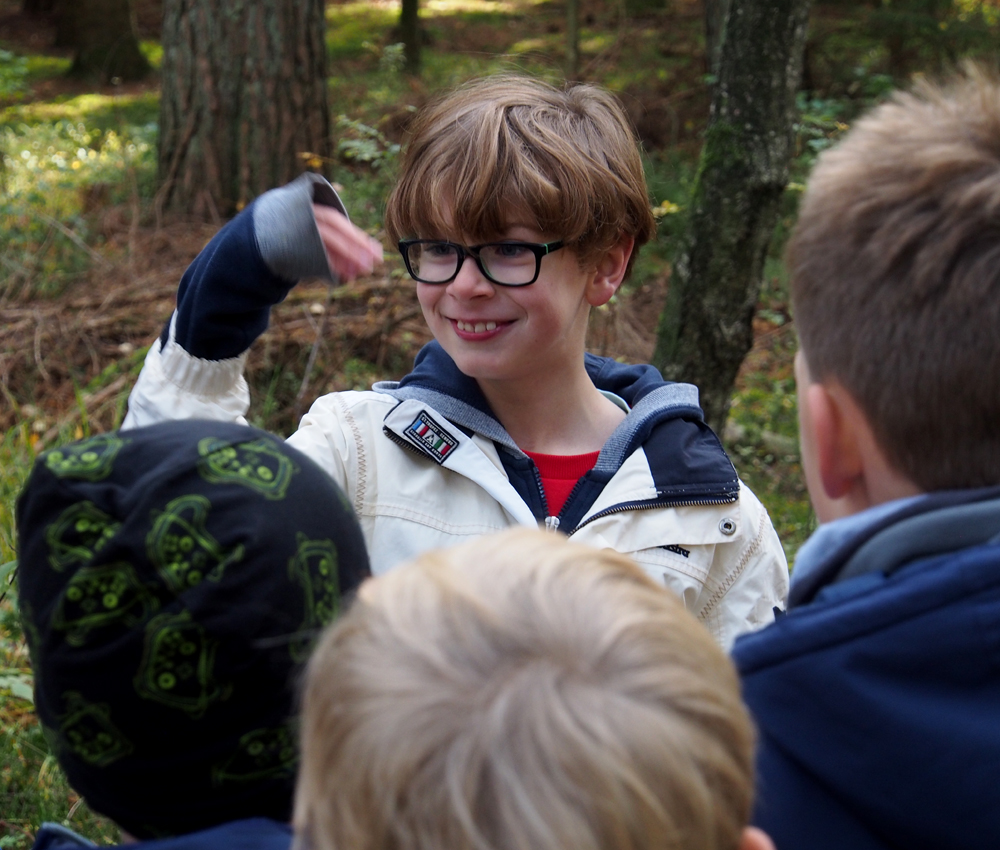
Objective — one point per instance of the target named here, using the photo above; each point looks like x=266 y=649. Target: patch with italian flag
x=428 y=435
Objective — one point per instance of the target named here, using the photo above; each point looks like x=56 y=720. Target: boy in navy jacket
x=877 y=694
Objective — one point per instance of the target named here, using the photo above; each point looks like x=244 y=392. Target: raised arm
x=195 y=369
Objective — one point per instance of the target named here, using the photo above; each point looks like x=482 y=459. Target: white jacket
x=425 y=464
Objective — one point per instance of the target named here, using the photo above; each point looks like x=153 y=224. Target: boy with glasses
x=519 y=207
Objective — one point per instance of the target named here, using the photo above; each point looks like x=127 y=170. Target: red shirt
x=559 y=475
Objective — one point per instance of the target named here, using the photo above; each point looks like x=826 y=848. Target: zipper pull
x=551 y=523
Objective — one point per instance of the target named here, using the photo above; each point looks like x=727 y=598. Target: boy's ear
x=610 y=272
x=838 y=455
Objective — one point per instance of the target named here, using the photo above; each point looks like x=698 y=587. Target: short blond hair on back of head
x=513 y=150
x=521 y=692
x=895 y=276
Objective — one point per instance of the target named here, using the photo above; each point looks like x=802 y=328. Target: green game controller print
x=180 y=547
x=110 y=594
x=314 y=567
x=261 y=754
x=80 y=532
x=259 y=465
x=88 y=460
x=86 y=731
x=176 y=666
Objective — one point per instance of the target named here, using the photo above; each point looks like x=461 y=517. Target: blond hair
x=510 y=150
x=521 y=691
x=895 y=274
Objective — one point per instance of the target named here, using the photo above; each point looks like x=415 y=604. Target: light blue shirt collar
x=833 y=535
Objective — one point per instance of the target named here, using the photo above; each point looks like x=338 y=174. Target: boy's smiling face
x=502 y=333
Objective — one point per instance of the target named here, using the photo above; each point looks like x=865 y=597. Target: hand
x=350 y=251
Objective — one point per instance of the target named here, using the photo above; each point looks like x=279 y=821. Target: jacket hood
x=433 y=369
x=686 y=460
x=876 y=701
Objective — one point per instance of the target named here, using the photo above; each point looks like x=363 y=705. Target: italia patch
x=429 y=436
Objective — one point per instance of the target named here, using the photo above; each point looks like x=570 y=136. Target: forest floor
x=89 y=266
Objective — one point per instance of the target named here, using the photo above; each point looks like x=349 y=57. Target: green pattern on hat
x=314 y=566
x=258 y=464
x=78 y=534
x=88 y=460
x=102 y=596
x=177 y=665
x=180 y=547
x=261 y=754
x=87 y=731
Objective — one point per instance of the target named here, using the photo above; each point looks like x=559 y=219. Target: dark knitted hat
x=171 y=582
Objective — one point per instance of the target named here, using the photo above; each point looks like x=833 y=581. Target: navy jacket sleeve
x=225 y=296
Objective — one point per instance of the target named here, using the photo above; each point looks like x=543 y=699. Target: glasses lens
x=509 y=262
x=433 y=262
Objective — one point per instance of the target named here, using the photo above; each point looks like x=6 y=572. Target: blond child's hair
x=895 y=275
x=513 y=150
x=521 y=691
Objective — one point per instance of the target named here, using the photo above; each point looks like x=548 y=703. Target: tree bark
x=409 y=30
x=715 y=23
x=243 y=104
x=706 y=327
x=103 y=34
x=572 y=39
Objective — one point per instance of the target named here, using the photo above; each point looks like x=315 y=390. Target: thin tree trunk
x=103 y=34
x=409 y=28
x=572 y=39
x=243 y=103
x=706 y=327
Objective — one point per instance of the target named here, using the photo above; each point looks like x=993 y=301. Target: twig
x=38 y=348
x=88 y=402
x=72 y=810
x=75 y=239
x=312 y=354
x=12 y=827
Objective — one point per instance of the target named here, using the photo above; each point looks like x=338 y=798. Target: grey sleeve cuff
x=286 y=231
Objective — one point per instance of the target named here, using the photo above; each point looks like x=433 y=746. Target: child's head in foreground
x=512 y=150
x=895 y=274
x=522 y=691
x=171 y=581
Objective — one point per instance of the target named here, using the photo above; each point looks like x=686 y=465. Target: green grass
x=33 y=789
x=53 y=154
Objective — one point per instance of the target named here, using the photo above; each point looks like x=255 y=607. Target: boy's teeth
x=478 y=327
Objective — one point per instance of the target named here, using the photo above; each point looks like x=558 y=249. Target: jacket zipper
x=552 y=522
x=399 y=441
x=649 y=504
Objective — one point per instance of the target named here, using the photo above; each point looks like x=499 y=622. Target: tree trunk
x=409 y=31
x=706 y=327
x=572 y=39
x=715 y=23
x=103 y=34
x=243 y=104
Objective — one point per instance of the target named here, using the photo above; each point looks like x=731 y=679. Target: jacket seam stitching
x=362 y=474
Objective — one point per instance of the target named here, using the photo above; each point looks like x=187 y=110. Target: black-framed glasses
x=504 y=263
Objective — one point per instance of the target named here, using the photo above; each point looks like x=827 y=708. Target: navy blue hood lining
x=686 y=459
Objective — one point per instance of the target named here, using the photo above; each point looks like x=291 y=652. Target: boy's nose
x=470 y=282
